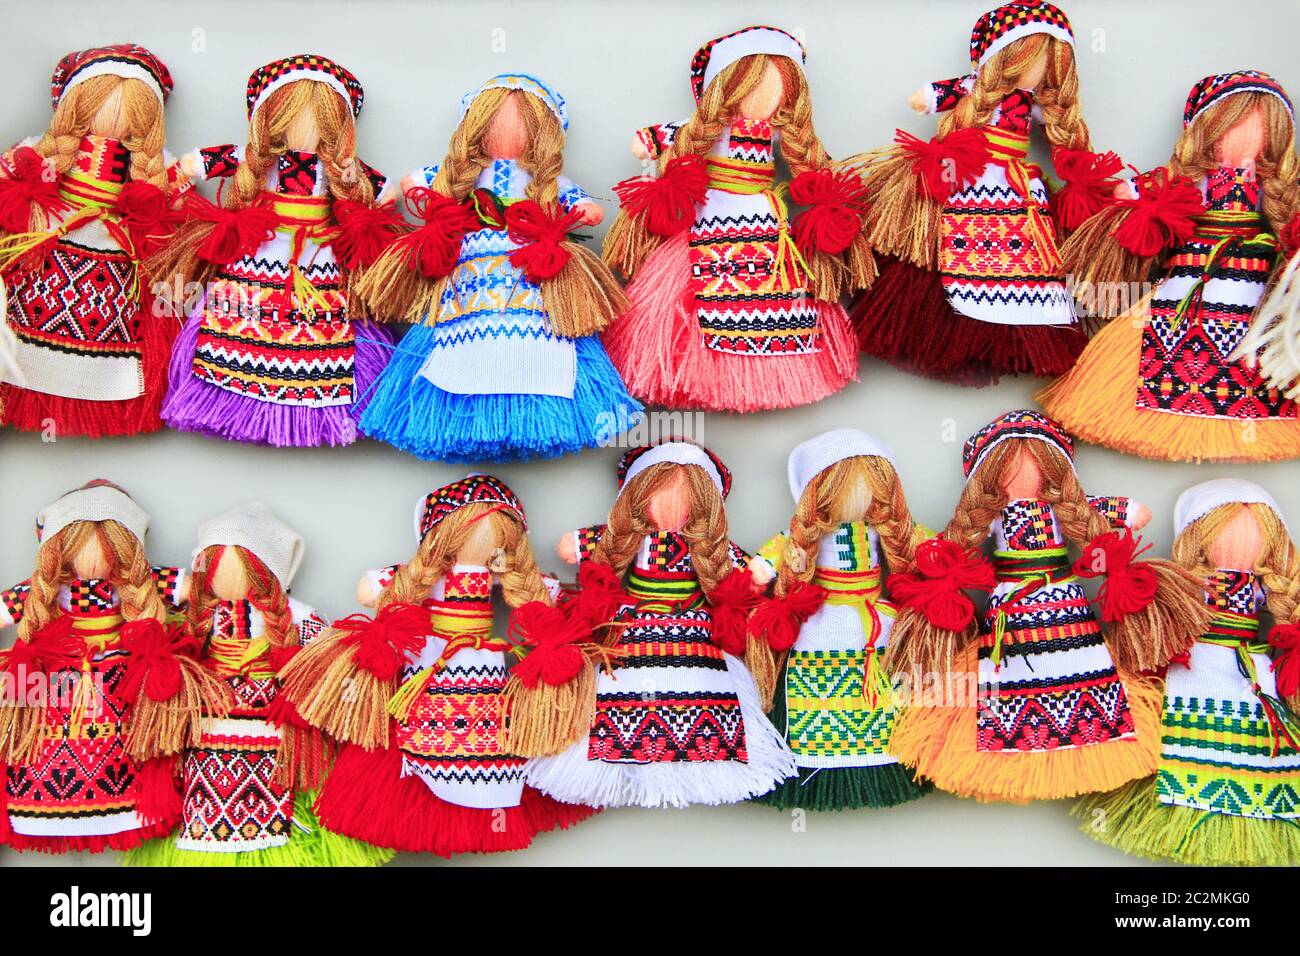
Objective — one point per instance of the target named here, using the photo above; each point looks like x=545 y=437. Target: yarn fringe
x=585 y=297
x=158 y=790
x=901 y=221
x=164 y=727
x=939 y=743
x=917 y=647
x=1102 y=272
x=544 y=720
x=393 y=289
x=304 y=758
x=1096 y=402
x=628 y=244
x=1134 y=820
x=763 y=666
x=22 y=730
x=1146 y=640
x=331 y=692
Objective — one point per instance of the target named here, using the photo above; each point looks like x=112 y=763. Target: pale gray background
x=621 y=66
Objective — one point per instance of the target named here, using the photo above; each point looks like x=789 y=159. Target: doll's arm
x=940 y=96
x=11 y=603
x=173 y=586
x=308 y=620
x=7 y=158
x=572 y=196
x=766 y=563
x=739 y=556
x=373 y=582
x=1120 y=511
x=420 y=178
x=212 y=162
x=178 y=181
x=651 y=141
x=377 y=179
x=577 y=546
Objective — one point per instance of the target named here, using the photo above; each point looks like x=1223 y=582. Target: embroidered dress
x=722 y=316
x=834 y=702
x=1227 y=787
x=1174 y=391
x=445 y=785
x=487 y=378
x=233 y=810
x=677 y=721
x=83 y=790
x=275 y=354
x=80 y=309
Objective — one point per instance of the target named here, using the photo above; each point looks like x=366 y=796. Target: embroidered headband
x=1018 y=424
x=814 y=456
x=126 y=60
x=97 y=500
x=253 y=526
x=304 y=66
x=472 y=489
x=1003 y=25
x=1199 y=500
x=678 y=452
x=526 y=83
x=718 y=54
x=1214 y=88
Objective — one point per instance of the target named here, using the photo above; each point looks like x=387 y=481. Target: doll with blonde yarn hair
x=416 y=694
x=1223 y=791
x=828 y=623
x=735 y=300
x=1036 y=701
x=81 y=207
x=276 y=351
x=101 y=689
x=503 y=360
x=975 y=285
x=245 y=786
x=1172 y=377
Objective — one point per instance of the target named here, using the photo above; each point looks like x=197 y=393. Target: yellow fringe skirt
x=939 y=743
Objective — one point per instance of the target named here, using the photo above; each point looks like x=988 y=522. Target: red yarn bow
x=1289 y=237
x=942 y=166
x=666 y=203
x=54 y=647
x=31 y=182
x=836 y=201
x=731 y=603
x=541 y=235
x=434 y=247
x=944 y=569
x=365 y=231
x=1286 y=663
x=381 y=643
x=778 y=620
x=555 y=639
x=283 y=713
x=153 y=652
x=1163 y=214
x=599 y=595
x=1129 y=585
x=236 y=232
x=1089 y=184
x=148 y=218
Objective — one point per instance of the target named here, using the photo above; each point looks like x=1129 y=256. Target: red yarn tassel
x=1162 y=216
x=778 y=620
x=730 y=604
x=434 y=247
x=1089 y=184
x=541 y=235
x=365 y=231
x=1289 y=237
x=31 y=183
x=598 y=597
x=666 y=203
x=152 y=664
x=157 y=788
x=236 y=233
x=1129 y=586
x=554 y=639
x=148 y=218
x=382 y=643
x=943 y=166
x=944 y=569
x=1286 y=664
x=836 y=201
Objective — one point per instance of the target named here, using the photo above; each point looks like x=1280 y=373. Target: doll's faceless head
x=233 y=573
x=503 y=123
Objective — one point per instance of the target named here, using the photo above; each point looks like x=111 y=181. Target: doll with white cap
x=975 y=287
x=81 y=207
x=1033 y=699
x=678 y=717
x=1172 y=375
x=503 y=360
x=101 y=689
x=735 y=299
x=244 y=799
x=1228 y=752
x=274 y=350
x=417 y=692
x=828 y=622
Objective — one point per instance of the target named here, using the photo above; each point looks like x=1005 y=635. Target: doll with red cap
x=734 y=297
x=82 y=206
x=416 y=693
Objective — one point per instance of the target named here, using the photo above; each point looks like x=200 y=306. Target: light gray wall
x=621 y=66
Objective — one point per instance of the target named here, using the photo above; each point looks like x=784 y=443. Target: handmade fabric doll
x=242 y=786
x=830 y=623
x=275 y=352
x=80 y=207
x=735 y=305
x=1042 y=704
x=503 y=361
x=976 y=288
x=678 y=717
x=416 y=692
x=100 y=689
x=1161 y=380
x=1229 y=749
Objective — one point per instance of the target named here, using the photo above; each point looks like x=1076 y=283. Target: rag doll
x=975 y=287
x=100 y=690
x=274 y=351
x=734 y=300
x=244 y=799
x=503 y=360
x=81 y=206
x=828 y=623
x=416 y=693
x=675 y=717
x=1163 y=379
x=1038 y=702
x=1228 y=753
